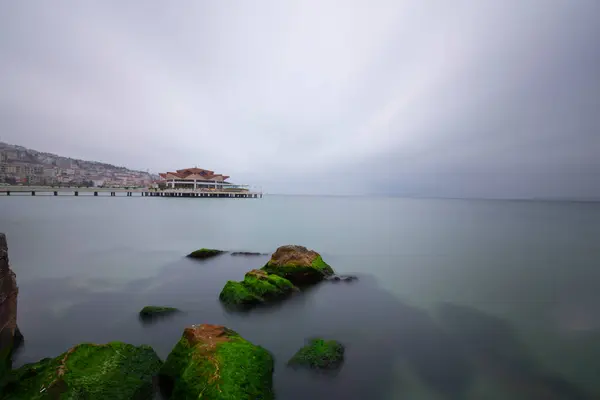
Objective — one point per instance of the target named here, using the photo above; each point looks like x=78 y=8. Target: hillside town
x=23 y=166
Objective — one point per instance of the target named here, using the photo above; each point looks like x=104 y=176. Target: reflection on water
x=447 y=354
x=492 y=346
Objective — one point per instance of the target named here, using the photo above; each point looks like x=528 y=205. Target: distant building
x=11 y=155
x=97 y=181
x=198 y=178
x=50 y=172
x=64 y=163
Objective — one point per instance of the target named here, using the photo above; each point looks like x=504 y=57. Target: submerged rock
x=9 y=332
x=87 y=371
x=257 y=287
x=248 y=253
x=213 y=362
x=149 y=312
x=298 y=264
x=319 y=354
x=342 y=278
x=205 y=253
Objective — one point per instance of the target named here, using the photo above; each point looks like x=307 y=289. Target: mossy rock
x=150 y=312
x=257 y=287
x=319 y=354
x=112 y=371
x=213 y=362
x=205 y=253
x=298 y=265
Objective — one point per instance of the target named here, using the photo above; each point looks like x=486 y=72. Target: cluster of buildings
x=22 y=166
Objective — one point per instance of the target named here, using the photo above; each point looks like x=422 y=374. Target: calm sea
x=457 y=299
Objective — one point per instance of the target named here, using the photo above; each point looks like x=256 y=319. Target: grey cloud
x=498 y=99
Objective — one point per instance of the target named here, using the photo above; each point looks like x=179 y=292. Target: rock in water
x=205 y=253
x=248 y=253
x=9 y=333
x=149 y=312
x=298 y=265
x=257 y=287
x=342 y=278
x=319 y=354
x=213 y=362
x=112 y=371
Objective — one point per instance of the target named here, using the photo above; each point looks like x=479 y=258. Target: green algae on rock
x=205 y=253
x=298 y=265
x=156 y=311
x=112 y=371
x=319 y=354
x=214 y=362
x=257 y=287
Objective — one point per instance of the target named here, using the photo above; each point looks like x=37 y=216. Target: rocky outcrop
x=257 y=287
x=9 y=333
x=87 y=371
x=289 y=266
x=298 y=265
x=205 y=253
x=213 y=362
x=319 y=354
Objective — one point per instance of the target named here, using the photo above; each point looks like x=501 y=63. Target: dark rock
x=9 y=333
x=248 y=253
x=213 y=362
x=342 y=278
x=205 y=253
x=298 y=265
x=150 y=312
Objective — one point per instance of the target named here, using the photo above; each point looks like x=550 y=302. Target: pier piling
x=142 y=192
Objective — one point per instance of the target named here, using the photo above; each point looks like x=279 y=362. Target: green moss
x=322 y=266
x=319 y=354
x=113 y=371
x=205 y=253
x=233 y=369
x=152 y=311
x=281 y=283
x=257 y=287
x=237 y=293
x=27 y=381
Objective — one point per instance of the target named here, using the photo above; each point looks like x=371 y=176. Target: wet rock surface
x=9 y=333
x=298 y=264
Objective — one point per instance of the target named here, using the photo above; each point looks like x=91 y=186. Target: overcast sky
x=451 y=98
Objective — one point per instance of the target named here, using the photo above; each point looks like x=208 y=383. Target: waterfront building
x=198 y=179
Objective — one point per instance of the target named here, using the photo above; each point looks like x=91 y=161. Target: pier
x=119 y=192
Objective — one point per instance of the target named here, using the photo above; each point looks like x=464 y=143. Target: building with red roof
x=197 y=179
